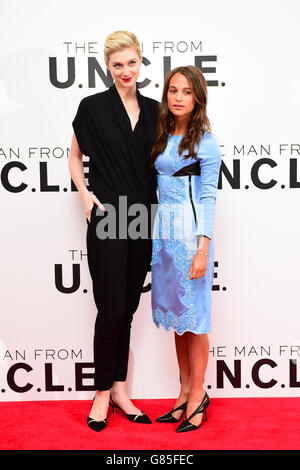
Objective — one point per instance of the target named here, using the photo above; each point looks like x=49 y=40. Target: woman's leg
x=199 y=350
x=182 y=352
x=100 y=405
x=109 y=287
x=107 y=261
x=139 y=257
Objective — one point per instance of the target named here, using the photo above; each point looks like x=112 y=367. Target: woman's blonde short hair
x=118 y=41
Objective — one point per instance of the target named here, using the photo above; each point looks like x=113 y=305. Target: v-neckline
x=132 y=129
x=138 y=97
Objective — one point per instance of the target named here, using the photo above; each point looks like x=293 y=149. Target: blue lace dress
x=187 y=195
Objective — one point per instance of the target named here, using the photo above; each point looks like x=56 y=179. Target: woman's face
x=180 y=98
x=124 y=66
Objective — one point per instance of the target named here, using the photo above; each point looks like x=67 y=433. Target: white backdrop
x=252 y=51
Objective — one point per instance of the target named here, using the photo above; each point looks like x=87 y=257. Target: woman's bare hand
x=198 y=267
x=89 y=199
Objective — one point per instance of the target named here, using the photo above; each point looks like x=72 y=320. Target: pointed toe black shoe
x=140 y=418
x=169 y=418
x=96 y=425
x=186 y=426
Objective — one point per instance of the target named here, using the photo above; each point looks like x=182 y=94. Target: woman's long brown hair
x=198 y=123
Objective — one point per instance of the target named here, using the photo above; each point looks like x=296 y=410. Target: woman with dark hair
x=116 y=129
x=187 y=159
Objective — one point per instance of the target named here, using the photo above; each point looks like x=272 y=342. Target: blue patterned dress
x=187 y=195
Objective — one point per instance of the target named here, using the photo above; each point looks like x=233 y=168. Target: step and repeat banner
x=52 y=57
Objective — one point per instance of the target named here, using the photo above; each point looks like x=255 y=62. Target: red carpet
x=233 y=423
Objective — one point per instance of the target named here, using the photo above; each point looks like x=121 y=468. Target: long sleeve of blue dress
x=209 y=156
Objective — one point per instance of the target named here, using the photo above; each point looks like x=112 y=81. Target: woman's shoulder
x=95 y=98
x=151 y=103
x=209 y=145
x=209 y=139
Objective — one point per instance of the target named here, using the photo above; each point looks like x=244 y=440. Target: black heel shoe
x=96 y=425
x=169 y=418
x=186 y=425
x=142 y=418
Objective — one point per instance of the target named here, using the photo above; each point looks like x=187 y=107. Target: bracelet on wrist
x=200 y=252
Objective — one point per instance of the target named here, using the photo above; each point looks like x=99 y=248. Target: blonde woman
x=116 y=129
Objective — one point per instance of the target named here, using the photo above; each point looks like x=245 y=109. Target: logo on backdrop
x=68 y=274
x=233 y=367
x=84 y=57
x=255 y=166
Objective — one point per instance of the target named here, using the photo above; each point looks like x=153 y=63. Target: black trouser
x=118 y=269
